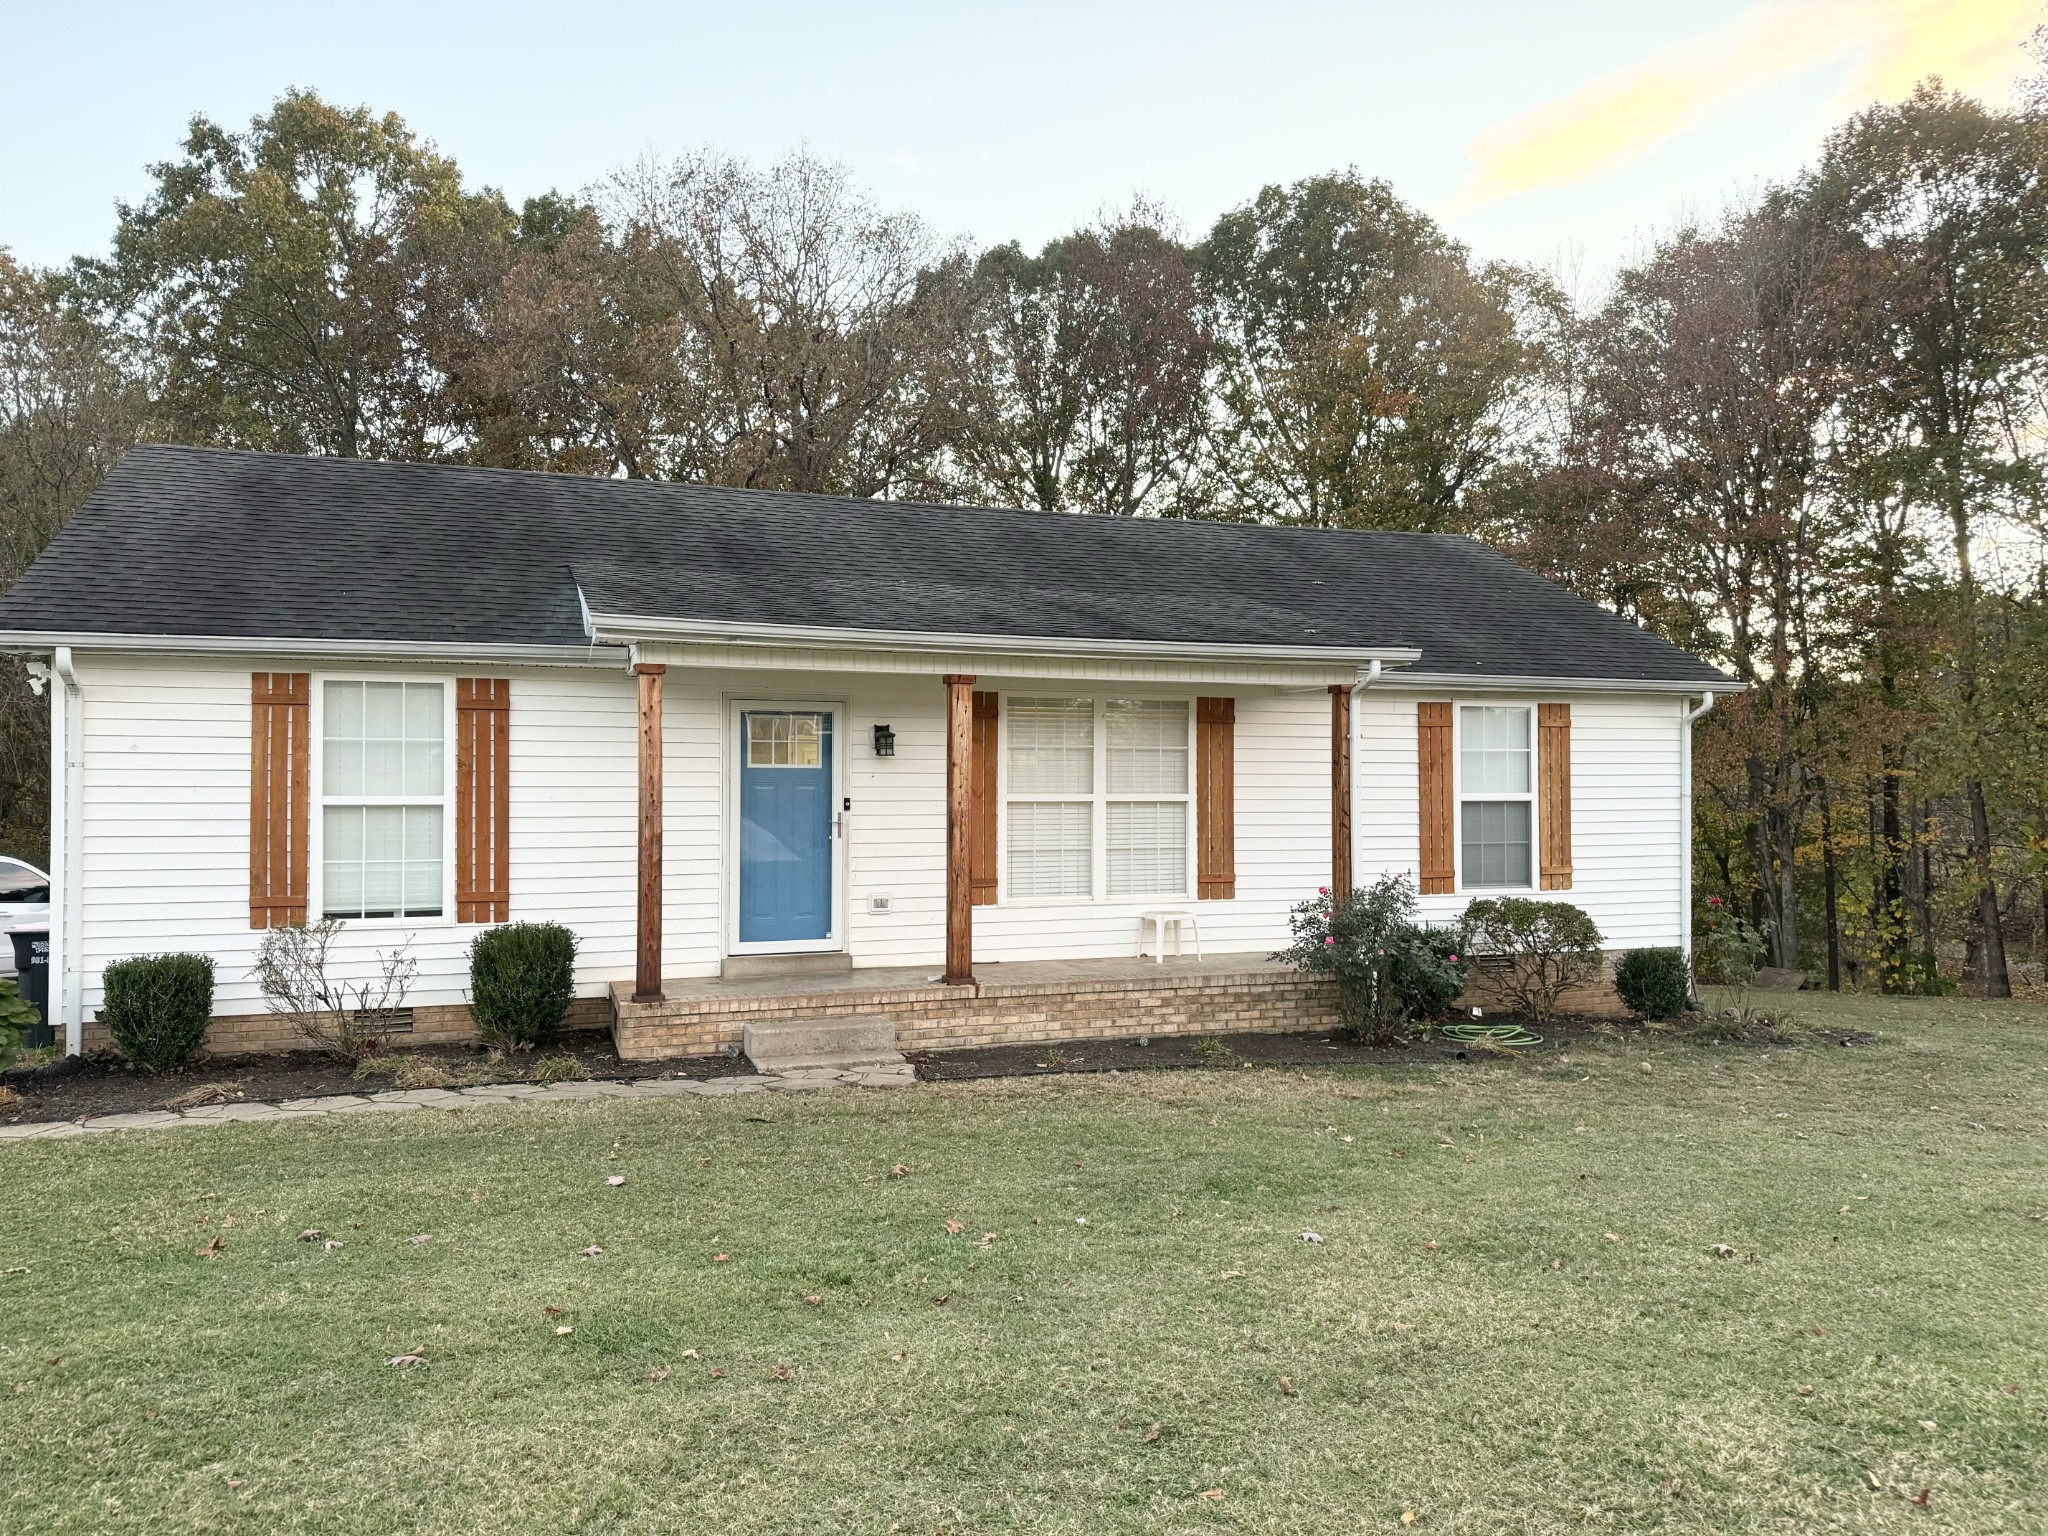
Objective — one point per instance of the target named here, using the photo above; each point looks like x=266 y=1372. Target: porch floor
x=1010 y=1002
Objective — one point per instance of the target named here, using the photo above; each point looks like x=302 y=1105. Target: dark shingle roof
x=201 y=542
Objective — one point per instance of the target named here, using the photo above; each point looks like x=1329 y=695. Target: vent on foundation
x=400 y=1022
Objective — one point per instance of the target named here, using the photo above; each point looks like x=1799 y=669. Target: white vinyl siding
x=1625 y=793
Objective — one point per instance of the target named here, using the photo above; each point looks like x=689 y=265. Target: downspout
x=67 y=803
x=1372 y=675
x=1686 y=722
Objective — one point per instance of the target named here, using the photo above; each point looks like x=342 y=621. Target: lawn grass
x=1466 y=1345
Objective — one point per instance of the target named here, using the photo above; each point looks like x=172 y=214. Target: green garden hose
x=1491 y=1034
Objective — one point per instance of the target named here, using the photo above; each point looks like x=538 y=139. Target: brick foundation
x=250 y=1034
x=932 y=1016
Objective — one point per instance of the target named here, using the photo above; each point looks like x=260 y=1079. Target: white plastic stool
x=1162 y=920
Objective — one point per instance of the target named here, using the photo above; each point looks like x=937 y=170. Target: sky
x=1566 y=133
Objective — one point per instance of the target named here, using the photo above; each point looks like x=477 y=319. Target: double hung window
x=1096 y=797
x=1497 y=809
x=384 y=792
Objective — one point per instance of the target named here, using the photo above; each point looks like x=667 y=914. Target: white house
x=756 y=748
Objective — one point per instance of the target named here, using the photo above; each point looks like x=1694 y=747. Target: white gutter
x=1479 y=682
x=593 y=655
x=1686 y=721
x=626 y=628
x=67 y=815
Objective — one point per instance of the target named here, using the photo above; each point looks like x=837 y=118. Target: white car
x=24 y=898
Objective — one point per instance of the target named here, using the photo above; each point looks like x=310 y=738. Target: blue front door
x=785 y=825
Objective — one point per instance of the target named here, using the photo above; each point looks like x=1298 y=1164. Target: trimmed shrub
x=1652 y=982
x=1390 y=972
x=157 y=1007
x=522 y=978
x=1546 y=948
x=17 y=1017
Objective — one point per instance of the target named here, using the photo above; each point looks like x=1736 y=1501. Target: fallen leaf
x=1153 y=1432
x=1919 y=1500
x=1723 y=1251
x=955 y=1228
x=1397 y=1152
x=897 y=1170
x=940 y=1301
x=311 y=1235
x=330 y=1245
x=2011 y=1389
x=1287 y=1386
x=234 y=1482
x=1231 y=1274
x=1430 y=1246
x=1845 y=1210
x=149 y=1413
x=19 y=1269
x=1347 y=1140
x=986 y=1239
x=782 y=1372
x=1928 y=1425
x=1874 y=1480
x=1311 y=1237
x=720 y=1258
x=899 y=1357
x=565 y=1328
x=1210 y=1493
x=405 y=1361
x=1819 y=1332
x=422 y=1237
x=718 y=1373
x=551 y=1310
x=1612 y=1237
x=1409 y=1517
x=212 y=1249
x=1645 y=1069
x=1803 y=1391
x=659 y=1373
x=691 y=1354
x=592 y=1252
x=616 y=1180
x=815 y=1300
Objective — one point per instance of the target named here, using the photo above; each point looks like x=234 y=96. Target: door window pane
x=1146 y=844
x=1145 y=747
x=1496 y=843
x=1052 y=746
x=782 y=741
x=1050 y=849
x=1494 y=750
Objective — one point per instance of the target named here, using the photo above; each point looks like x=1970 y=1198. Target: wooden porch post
x=959 y=831
x=647 y=958
x=1340 y=793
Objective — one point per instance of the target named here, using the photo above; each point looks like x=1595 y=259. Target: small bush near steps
x=157 y=1007
x=1652 y=982
x=522 y=978
x=1545 y=948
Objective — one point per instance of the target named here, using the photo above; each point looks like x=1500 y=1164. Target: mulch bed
x=105 y=1085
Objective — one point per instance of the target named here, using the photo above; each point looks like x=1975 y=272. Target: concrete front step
x=844 y=1044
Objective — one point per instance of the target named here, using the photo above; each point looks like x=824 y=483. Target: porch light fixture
x=885 y=741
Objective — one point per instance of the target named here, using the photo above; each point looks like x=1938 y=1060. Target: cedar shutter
x=1216 y=799
x=280 y=727
x=1433 y=764
x=981 y=860
x=483 y=799
x=1554 y=793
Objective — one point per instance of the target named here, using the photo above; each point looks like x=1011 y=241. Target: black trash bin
x=32 y=977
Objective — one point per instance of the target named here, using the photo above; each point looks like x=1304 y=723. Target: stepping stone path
x=397 y=1101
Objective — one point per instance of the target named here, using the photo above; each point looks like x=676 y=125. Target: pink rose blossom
x=1328 y=940
x=1322 y=890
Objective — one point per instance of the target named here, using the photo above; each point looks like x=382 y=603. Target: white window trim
x=1099 y=798
x=316 y=829
x=1492 y=797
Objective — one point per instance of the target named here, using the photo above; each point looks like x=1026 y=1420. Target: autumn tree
x=1370 y=375
x=296 y=284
